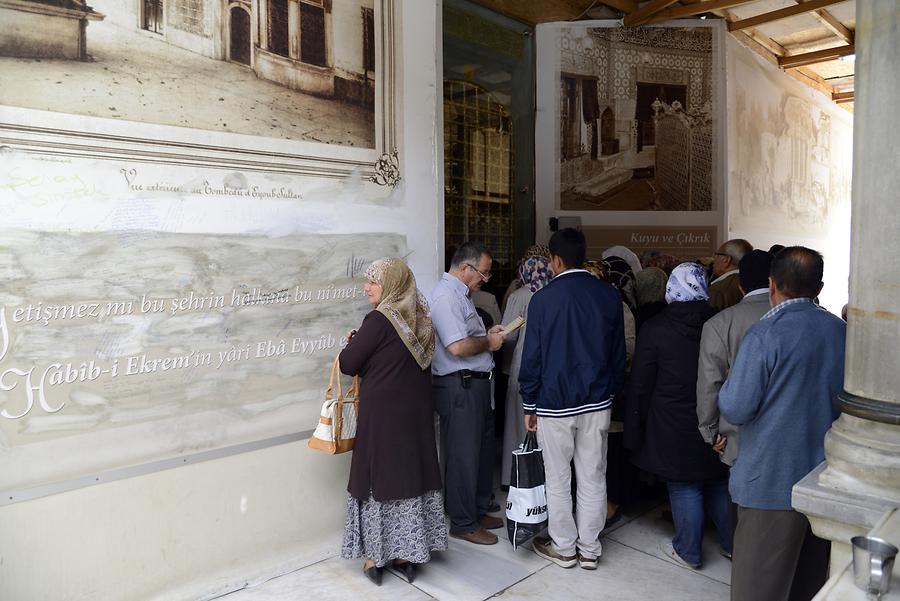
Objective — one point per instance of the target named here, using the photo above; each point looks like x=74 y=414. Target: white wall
x=195 y=531
x=790 y=156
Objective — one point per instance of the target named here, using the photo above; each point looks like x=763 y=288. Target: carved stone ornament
x=387 y=170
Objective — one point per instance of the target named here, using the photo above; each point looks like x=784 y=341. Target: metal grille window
x=478 y=167
x=312 y=34
x=278 y=27
x=368 y=16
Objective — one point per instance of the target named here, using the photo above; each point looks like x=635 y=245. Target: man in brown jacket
x=725 y=289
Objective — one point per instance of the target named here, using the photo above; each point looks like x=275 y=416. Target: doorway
x=647 y=94
x=488 y=135
x=239 y=48
x=152 y=15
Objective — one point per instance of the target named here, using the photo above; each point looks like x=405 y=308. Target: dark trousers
x=467 y=447
x=777 y=557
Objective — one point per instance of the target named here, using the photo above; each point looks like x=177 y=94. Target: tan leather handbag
x=336 y=431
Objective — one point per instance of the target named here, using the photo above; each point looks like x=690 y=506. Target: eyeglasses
x=718 y=254
x=484 y=277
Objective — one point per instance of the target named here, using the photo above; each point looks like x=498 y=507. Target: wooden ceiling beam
x=754 y=45
x=811 y=58
x=841 y=97
x=841 y=82
x=532 y=13
x=626 y=6
x=679 y=12
x=768 y=43
x=645 y=12
x=782 y=13
x=836 y=27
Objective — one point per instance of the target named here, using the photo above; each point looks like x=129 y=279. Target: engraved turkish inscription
x=182 y=341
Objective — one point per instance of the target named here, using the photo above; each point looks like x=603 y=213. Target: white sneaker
x=543 y=547
x=670 y=553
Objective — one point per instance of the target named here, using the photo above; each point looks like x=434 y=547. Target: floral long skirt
x=406 y=529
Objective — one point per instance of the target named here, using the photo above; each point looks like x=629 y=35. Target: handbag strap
x=335 y=374
x=352 y=392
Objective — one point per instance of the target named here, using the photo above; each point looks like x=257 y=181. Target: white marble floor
x=631 y=567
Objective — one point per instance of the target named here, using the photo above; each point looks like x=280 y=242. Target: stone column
x=862 y=476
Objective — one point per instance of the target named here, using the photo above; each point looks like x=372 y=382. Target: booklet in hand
x=514 y=325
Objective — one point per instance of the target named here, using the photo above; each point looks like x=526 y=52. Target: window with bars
x=478 y=168
x=278 y=27
x=312 y=34
x=368 y=16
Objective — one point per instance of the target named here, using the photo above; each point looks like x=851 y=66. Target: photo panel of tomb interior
x=637 y=111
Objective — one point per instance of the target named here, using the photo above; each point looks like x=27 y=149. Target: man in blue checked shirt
x=573 y=363
x=780 y=392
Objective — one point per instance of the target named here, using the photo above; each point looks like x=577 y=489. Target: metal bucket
x=873 y=562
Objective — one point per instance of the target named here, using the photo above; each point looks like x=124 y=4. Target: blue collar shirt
x=454 y=318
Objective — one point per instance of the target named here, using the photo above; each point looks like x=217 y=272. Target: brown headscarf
x=598 y=269
x=405 y=307
x=537 y=250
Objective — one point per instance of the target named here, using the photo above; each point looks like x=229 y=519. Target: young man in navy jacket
x=573 y=363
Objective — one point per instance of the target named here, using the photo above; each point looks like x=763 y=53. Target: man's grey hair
x=736 y=249
x=468 y=252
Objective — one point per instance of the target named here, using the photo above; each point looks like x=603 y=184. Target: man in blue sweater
x=573 y=363
x=779 y=393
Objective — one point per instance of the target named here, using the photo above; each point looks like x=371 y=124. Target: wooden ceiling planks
x=782 y=13
x=533 y=12
x=811 y=58
x=647 y=11
x=696 y=8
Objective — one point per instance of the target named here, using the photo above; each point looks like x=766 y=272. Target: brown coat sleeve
x=354 y=357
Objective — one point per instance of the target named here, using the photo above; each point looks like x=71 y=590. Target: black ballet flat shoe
x=374 y=574
x=407 y=570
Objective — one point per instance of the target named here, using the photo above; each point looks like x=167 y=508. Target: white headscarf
x=687 y=283
x=626 y=254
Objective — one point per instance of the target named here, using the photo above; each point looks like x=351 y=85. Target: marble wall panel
x=116 y=351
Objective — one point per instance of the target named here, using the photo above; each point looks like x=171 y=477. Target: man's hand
x=495 y=338
x=531 y=423
x=350 y=335
x=720 y=444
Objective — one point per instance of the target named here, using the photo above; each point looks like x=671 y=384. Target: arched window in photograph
x=239 y=42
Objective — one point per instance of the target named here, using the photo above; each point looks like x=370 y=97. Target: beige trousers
x=581 y=438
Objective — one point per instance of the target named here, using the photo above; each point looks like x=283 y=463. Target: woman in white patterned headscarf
x=687 y=283
x=661 y=426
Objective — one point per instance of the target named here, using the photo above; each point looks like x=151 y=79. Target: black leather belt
x=478 y=375
x=467 y=375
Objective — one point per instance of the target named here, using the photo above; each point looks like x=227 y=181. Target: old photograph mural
x=637 y=113
x=168 y=294
x=291 y=69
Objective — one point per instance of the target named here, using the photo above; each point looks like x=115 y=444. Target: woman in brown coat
x=394 y=507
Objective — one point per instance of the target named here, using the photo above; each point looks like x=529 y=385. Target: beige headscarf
x=405 y=307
